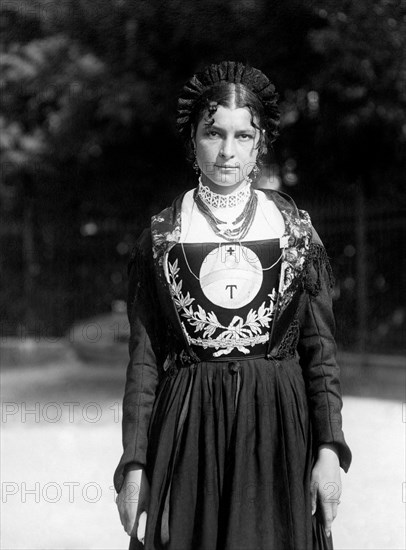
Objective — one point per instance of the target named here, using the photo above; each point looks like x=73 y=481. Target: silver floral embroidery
x=239 y=334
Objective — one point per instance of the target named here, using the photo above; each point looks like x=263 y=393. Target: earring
x=196 y=167
x=256 y=171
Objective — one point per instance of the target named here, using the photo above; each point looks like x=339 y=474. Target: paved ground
x=57 y=463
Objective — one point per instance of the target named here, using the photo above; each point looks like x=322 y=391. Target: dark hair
x=229 y=84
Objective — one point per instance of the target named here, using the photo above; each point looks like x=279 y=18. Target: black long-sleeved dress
x=226 y=402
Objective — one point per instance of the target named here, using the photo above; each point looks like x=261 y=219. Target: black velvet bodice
x=225 y=294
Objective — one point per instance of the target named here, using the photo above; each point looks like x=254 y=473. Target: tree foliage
x=354 y=110
x=88 y=142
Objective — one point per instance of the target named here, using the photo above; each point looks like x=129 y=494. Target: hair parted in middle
x=228 y=83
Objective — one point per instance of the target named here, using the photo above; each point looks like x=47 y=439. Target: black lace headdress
x=233 y=72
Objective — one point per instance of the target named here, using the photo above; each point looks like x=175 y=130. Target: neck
x=222 y=189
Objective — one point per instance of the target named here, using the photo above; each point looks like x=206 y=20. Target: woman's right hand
x=132 y=500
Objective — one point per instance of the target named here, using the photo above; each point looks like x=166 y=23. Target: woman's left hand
x=325 y=485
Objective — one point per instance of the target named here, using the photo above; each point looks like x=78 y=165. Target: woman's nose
x=227 y=149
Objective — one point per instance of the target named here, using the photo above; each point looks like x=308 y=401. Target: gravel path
x=57 y=463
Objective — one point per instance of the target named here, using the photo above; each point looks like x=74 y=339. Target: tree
x=88 y=113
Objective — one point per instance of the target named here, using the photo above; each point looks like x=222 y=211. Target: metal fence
x=366 y=245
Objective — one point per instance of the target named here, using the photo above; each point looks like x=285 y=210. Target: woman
x=232 y=408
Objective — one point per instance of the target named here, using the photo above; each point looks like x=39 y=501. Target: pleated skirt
x=229 y=460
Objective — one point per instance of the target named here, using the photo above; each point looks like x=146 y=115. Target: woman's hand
x=325 y=485
x=132 y=500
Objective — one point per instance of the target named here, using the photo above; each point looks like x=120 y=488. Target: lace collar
x=215 y=200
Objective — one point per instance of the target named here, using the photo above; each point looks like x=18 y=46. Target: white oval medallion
x=231 y=276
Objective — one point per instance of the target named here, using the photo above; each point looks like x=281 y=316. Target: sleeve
x=142 y=370
x=317 y=351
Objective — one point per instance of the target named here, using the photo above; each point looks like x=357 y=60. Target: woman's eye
x=213 y=133
x=245 y=137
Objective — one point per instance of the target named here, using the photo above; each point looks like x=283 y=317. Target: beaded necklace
x=231 y=231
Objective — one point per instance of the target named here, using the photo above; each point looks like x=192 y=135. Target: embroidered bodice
x=225 y=295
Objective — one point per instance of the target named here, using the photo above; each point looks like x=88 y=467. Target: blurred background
x=89 y=152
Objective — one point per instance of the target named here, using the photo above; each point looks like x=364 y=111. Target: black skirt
x=229 y=460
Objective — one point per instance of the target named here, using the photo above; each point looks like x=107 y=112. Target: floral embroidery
x=168 y=233
x=239 y=334
x=298 y=232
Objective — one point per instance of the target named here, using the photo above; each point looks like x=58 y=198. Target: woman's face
x=226 y=150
